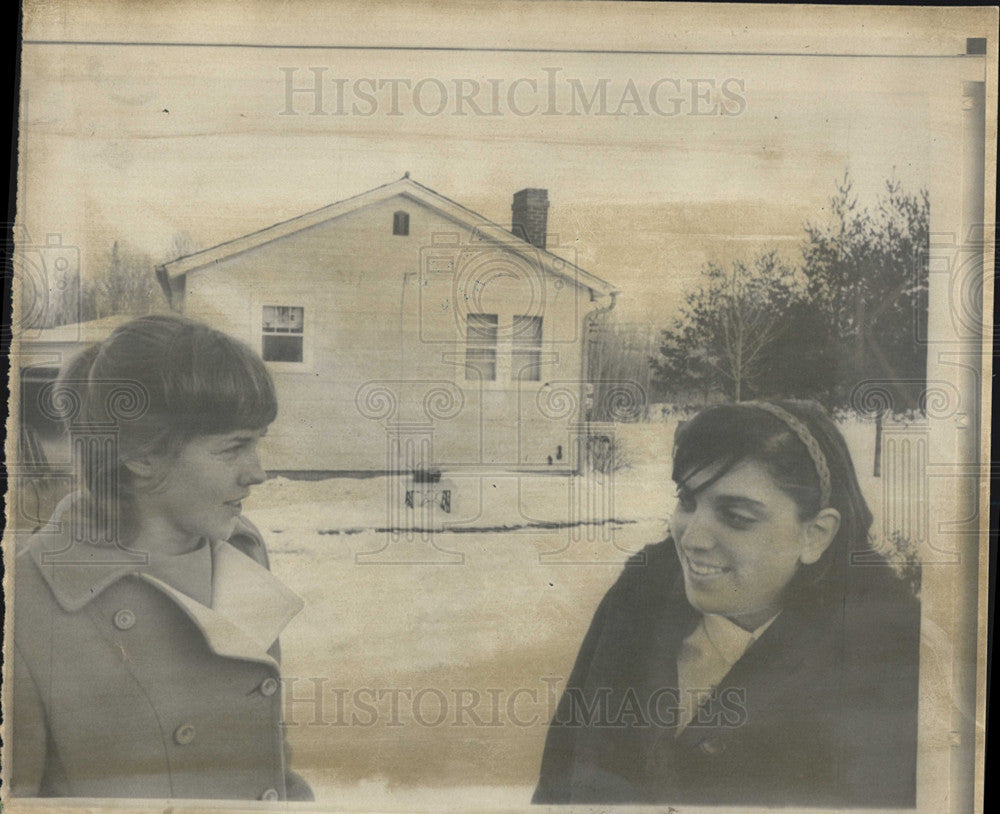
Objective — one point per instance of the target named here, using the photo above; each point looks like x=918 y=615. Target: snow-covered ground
x=432 y=659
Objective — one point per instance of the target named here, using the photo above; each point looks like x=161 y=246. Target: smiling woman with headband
x=762 y=654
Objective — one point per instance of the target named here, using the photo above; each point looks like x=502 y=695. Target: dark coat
x=820 y=711
x=125 y=688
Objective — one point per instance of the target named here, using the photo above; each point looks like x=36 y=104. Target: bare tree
x=181 y=245
x=126 y=284
x=619 y=354
x=727 y=328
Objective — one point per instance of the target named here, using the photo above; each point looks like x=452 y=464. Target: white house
x=405 y=331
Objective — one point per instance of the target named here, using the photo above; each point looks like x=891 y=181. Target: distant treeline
x=843 y=324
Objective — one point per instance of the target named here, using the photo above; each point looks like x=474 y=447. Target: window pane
x=526 y=359
x=401 y=223
x=527 y=365
x=481 y=364
x=481 y=329
x=283 y=319
x=481 y=347
x=528 y=331
x=282 y=348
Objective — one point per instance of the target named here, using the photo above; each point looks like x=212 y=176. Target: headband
x=806 y=437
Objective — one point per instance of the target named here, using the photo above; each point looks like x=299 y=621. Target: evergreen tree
x=867 y=273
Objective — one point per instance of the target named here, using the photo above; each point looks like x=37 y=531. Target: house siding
x=385 y=327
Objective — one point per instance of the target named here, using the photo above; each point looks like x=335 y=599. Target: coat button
x=712 y=747
x=124 y=619
x=269 y=795
x=184 y=734
x=269 y=686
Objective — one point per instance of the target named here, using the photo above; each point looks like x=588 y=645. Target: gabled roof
x=483 y=228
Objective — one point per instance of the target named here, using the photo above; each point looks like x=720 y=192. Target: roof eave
x=405 y=186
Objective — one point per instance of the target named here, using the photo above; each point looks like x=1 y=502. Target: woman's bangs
x=709 y=440
x=230 y=389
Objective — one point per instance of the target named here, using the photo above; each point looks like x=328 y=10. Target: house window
x=481 y=347
x=401 y=223
x=527 y=349
x=282 y=333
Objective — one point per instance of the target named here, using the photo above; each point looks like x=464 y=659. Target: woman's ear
x=819 y=533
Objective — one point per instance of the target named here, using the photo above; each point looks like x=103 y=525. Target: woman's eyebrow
x=740 y=500
x=245 y=435
x=236 y=438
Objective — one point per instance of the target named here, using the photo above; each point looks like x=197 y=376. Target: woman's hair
x=724 y=435
x=160 y=381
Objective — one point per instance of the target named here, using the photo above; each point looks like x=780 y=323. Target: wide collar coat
x=126 y=687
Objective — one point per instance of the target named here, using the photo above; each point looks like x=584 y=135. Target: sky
x=688 y=159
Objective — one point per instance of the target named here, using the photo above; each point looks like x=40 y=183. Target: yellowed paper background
x=154 y=124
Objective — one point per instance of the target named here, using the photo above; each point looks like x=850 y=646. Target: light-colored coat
x=125 y=687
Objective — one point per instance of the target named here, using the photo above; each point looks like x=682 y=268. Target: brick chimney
x=530 y=215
